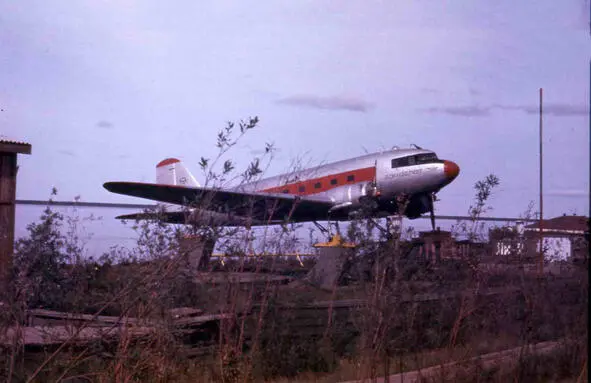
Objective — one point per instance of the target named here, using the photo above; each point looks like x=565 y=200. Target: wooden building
x=440 y=245
x=8 y=169
x=433 y=246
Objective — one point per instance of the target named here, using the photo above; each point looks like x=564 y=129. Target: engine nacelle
x=418 y=205
x=360 y=193
x=356 y=196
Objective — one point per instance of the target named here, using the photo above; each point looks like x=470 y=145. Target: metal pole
x=541 y=261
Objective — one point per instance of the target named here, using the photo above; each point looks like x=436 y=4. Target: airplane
x=374 y=183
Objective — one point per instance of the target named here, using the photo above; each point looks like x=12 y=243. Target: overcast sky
x=104 y=90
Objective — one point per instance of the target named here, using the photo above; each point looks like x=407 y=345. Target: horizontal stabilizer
x=169 y=217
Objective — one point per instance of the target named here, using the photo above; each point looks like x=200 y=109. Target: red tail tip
x=167 y=161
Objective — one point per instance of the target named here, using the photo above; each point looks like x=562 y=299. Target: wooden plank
x=240 y=277
x=37 y=317
x=202 y=319
x=181 y=317
x=14 y=147
x=184 y=312
x=82 y=328
x=54 y=335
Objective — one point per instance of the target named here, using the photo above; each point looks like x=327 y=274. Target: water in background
x=100 y=231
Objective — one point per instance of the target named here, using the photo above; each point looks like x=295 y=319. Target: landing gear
x=323 y=229
x=384 y=230
x=333 y=239
x=431 y=204
x=328 y=231
x=413 y=207
x=394 y=226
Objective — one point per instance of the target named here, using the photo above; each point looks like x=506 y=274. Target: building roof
x=568 y=224
x=435 y=234
x=14 y=146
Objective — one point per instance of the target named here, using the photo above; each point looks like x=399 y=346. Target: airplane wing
x=261 y=207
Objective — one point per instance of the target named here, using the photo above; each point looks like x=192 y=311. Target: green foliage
x=203 y=163
x=39 y=261
x=226 y=139
x=484 y=189
x=473 y=230
x=48 y=268
x=156 y=239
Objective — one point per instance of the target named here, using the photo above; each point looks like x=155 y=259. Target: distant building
x=436 y=246
x=565 y=238
x=507 y=243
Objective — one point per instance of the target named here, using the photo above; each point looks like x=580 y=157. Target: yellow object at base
x=335 y=241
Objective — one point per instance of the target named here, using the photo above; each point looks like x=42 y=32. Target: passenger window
x=412 y=160
x=302 y=189
x=286 y=191
x=317 y=185
x=351 y=178
x=333 y=181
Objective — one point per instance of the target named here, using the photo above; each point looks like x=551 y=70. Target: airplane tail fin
x=172 y=172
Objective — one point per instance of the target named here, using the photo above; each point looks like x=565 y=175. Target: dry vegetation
x=395 y=314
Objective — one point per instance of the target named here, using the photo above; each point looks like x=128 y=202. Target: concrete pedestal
x=334 y=258
x=197 y=252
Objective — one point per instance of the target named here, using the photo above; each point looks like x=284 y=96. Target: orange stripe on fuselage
x=310 y=185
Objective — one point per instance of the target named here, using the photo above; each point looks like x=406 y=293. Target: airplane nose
x=450 y=169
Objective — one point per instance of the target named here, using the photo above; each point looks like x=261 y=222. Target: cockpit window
x=426 y=158
x=417 y=159
x=398 y=162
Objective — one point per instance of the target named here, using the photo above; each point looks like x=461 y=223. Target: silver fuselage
x=376 y=176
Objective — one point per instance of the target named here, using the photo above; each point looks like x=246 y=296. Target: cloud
x=555 y=109
x=67 y=152
x=327 y=103
x=105 y=124
x=559 y=110
x=570 y=193
x=433 y=91
x=466 y=111
x=429 y=90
